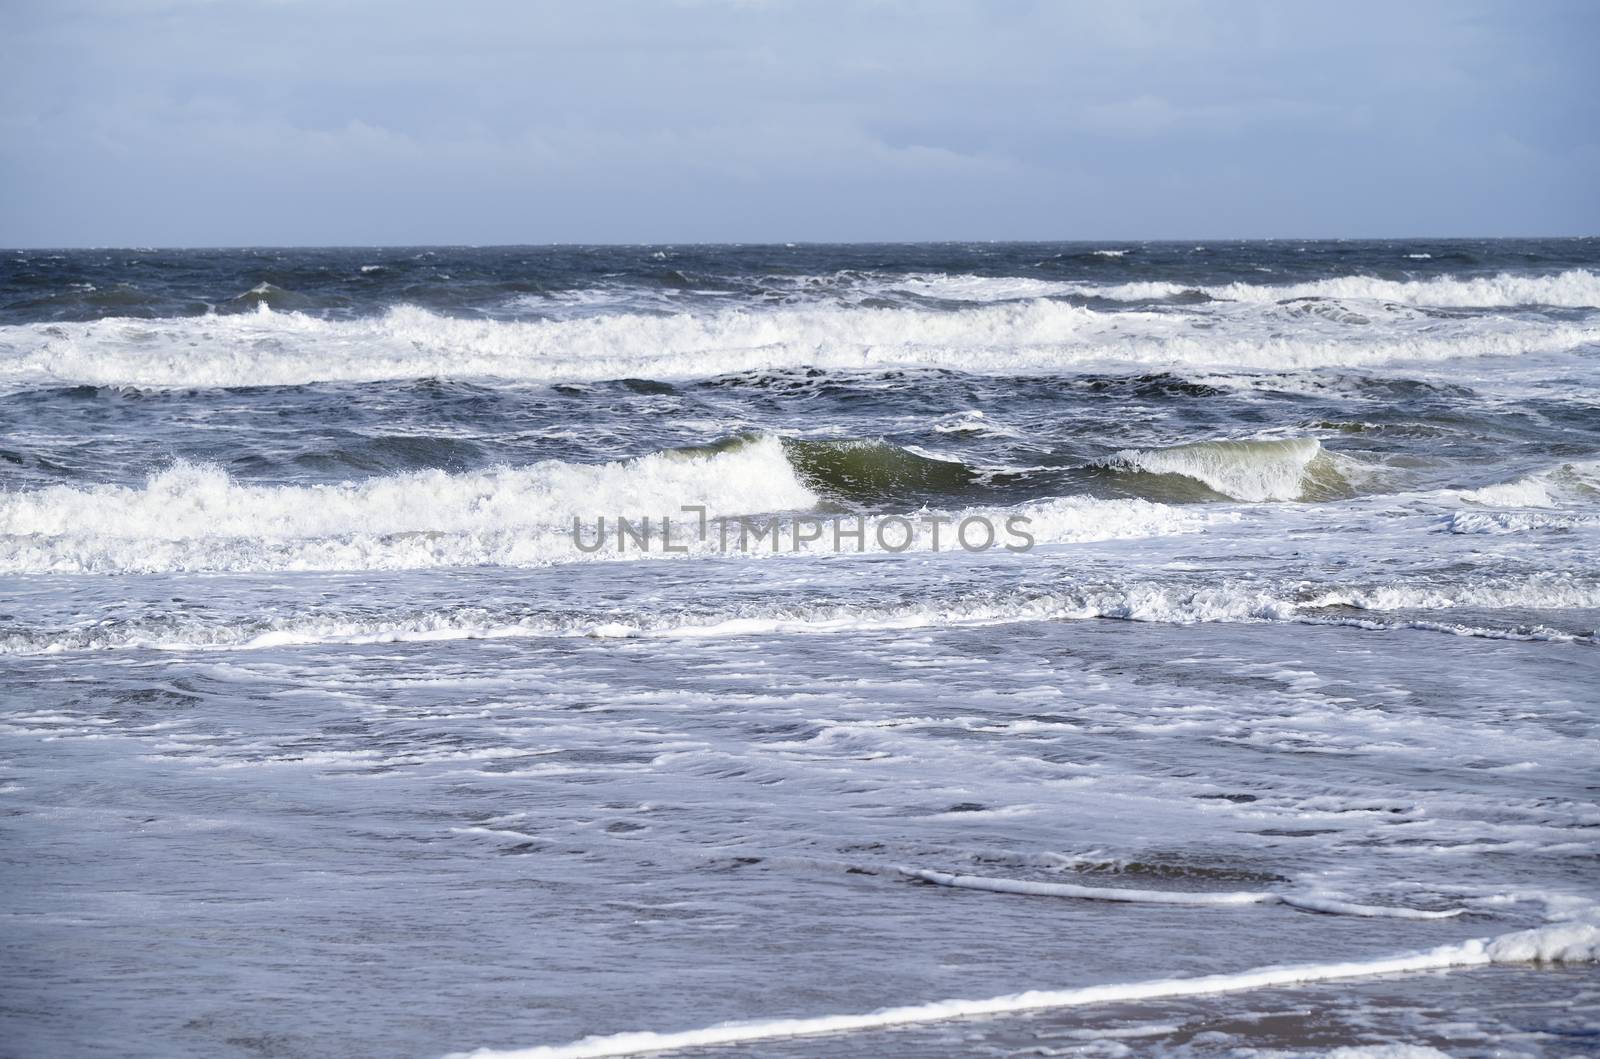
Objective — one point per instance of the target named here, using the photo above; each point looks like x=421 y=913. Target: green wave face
x=858 y=472
x=864 y=472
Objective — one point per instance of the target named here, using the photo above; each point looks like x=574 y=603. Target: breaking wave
x=1250 y=470
x=192 y=501
x=193 y=517
x=266 y=347
x=1573 y=289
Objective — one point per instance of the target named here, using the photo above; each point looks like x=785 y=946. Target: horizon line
x=794 y=243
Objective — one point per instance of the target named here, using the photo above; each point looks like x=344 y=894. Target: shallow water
x=324 y=735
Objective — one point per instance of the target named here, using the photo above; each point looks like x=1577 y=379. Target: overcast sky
x=186 y=122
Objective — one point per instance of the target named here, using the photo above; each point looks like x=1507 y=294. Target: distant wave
x=1575 y=289
x=266 y=347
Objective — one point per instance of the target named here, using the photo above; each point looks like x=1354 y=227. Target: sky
x=364 y=122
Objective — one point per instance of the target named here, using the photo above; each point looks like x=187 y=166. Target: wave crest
x=266 y=347
x=1573 y=289
x=193 y=517
x=1251 y=470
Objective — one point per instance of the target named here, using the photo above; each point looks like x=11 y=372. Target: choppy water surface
x=323 y=734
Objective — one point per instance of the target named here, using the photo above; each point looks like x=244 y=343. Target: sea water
x=339 y=718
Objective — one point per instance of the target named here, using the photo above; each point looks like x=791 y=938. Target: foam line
x=1566 y=942
x=1177 y=604
x=1345 y=908
x=1170 y=897
x=1088 y=893
x=1574 y=288
x=270 y=348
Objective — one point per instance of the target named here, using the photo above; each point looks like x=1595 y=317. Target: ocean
x=1068 y=649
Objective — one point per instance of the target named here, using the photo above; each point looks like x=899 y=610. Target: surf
x=1252 y=470
x=1039 y=336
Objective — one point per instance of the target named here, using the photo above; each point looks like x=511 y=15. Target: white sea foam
x=1562 y=942
x=1558 y=499
x=289 y=348
x=973 y=423
x=192 y=501
x=1239 y=602
x=1497 y=522
x=1539 y=593
x=196 y=518
x=955 y=286
x=1200 y=898
x=1575 y=288
x=1524 y=492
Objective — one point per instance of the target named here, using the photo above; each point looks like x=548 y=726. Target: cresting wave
x=192 y=501
x=1252 y=470
x=196 y=518
x=1573 y=289
x=1363 y=607
x=1556 y=943
x=1026 y=337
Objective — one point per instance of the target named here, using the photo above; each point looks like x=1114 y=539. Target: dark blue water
x=509 y=282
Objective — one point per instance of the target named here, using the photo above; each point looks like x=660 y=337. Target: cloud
x=360 y=121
